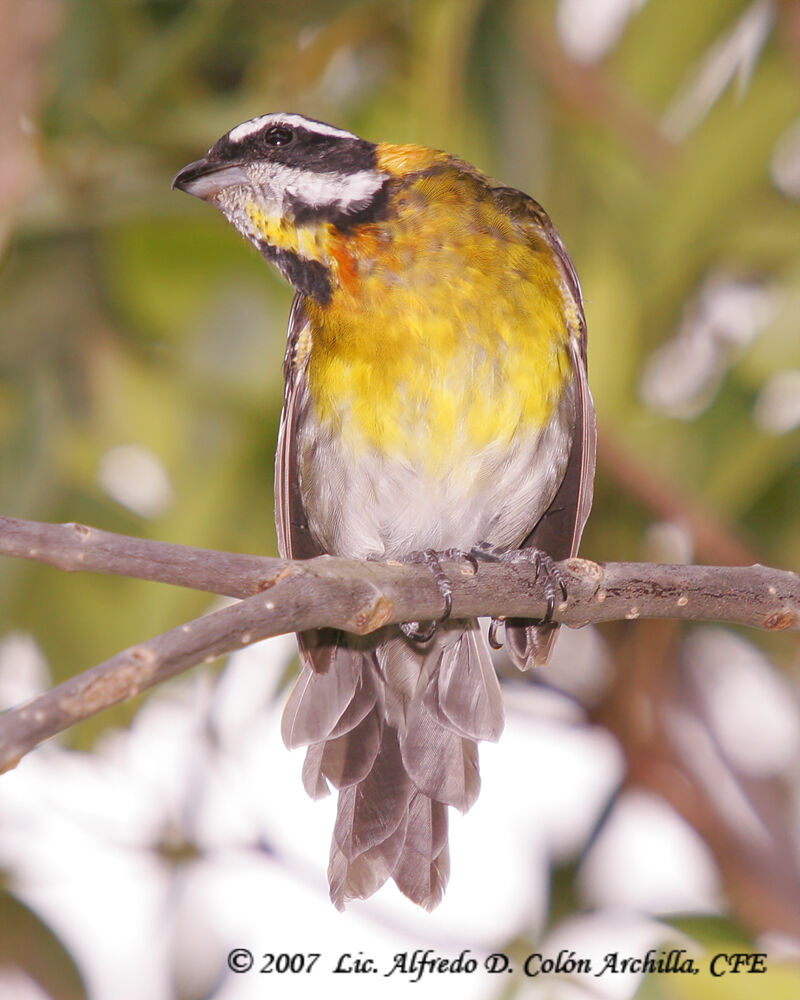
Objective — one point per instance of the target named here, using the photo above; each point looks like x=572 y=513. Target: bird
x=436 y=402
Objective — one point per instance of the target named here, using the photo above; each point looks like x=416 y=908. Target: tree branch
x=79 y=548
x=285 y=596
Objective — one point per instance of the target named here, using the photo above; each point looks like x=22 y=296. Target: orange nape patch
x=405 y=159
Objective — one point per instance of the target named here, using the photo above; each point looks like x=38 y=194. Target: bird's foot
x=546 y=570
x=433 y=560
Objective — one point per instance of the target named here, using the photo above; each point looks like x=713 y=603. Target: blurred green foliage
x=28 y=944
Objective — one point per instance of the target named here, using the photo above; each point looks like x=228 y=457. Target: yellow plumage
x=446 y=316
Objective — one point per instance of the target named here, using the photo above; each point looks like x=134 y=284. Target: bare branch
x=756 y=595
x=77 y=548
x=285 y=596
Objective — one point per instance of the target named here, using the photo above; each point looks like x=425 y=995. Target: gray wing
x=318 y=647
x=294 y=538
x=558 y=532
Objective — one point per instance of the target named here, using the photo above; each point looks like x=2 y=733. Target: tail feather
x=403 y=667
x=313 y=779
x=421 y=879
x=416 y=855
x=363 y=701
x=441 y=763
x=427 y=826
x=349 y=758
x=371 y=811
x=317 y=701
x=396 y=735
x=322 y=706
x=360 y=877
x=424 y=865
x=466 y=690
x=529 y=645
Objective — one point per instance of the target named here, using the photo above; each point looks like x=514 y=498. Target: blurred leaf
x=779 y=982
x=28 y=944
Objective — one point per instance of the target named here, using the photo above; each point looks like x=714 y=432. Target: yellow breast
x=446 y=327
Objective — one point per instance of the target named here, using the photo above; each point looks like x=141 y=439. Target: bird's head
x=281 y=179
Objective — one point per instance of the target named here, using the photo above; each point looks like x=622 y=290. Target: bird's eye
x=278 y=135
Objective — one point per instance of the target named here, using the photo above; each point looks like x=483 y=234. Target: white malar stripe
x=246 y=129
x=319 y=189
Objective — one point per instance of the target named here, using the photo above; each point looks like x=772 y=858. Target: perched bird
x=436 y=399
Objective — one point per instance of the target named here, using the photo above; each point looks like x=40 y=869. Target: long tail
x=394 y=727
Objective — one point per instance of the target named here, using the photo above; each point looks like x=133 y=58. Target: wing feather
x=294 y=538
x=319 y=647
x=558 y=531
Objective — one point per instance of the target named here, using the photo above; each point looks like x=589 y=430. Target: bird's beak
x=206 y=178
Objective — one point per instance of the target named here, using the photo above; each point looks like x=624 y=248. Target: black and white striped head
x=279 y=178
x=287 y=167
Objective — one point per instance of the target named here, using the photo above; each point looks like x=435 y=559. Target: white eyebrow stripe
x=248 y=128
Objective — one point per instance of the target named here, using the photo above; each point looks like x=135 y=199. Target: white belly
x=362 y=505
